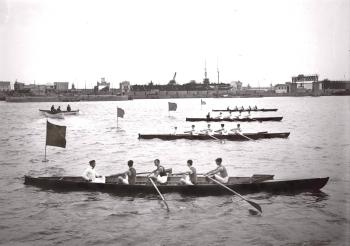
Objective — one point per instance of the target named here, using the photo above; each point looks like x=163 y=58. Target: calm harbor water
x=319 y=146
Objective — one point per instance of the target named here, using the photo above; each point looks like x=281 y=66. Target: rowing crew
x=160 y=174
x=230 y=116
x=242 y=108
x=58 y=110
x=209 y=131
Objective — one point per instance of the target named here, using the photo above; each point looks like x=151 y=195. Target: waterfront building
x=303 y=84
x=125 y=87
x=18 y=86
x=5 y=85
x=61 y=86
x=281 y=89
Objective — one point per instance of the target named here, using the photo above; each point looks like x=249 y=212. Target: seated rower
x=255 y=107
x=237 y=129
x=190 y=177
x=219 y=116
x=128 y=177
x=192 y=131
x=222 y=131
x=175 y=130
x=228 y=108
x=68 y=108
x=242 y=108
x=249 y=108
x=229 y=116
x=159 y=174
x=236 y=108
x=219 y=173
x=91 y=175
x=58 y=109
x=207 y=131
x=53 y=110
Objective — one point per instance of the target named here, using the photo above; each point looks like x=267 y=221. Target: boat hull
x=54 y=116
x=259 y=119
x=246 y=110
x=229 y=137
x=270 y=186
x=48 y=112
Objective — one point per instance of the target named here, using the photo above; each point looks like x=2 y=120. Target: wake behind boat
x=243 y=119
x=244 y=185
x=230 y=137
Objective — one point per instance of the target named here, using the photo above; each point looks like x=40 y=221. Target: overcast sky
x=257 y=42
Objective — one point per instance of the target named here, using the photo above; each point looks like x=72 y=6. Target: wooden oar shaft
x=160 y=194
x=255 y=205
x=244 y=136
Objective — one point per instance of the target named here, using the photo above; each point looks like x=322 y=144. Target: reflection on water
x=318 y=146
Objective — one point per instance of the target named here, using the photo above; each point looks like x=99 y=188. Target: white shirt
x=90 y=174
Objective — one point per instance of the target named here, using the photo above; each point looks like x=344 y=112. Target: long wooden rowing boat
x=246 y=110
x=259 y=119
x=243 y=185
x=230 y=137
x=73 y=112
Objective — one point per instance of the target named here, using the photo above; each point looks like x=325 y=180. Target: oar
x=160 y=194
x=245 y=136
x=255 y=205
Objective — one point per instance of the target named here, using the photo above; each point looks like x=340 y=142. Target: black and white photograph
x=162 y=122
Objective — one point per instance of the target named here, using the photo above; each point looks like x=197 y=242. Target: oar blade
x=255 y=205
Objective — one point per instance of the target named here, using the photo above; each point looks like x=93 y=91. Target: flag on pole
x=172 y=106
x=120 y=112
x=55 y=135
x=203 y=102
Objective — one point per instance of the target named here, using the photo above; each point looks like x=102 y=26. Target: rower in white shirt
x=228 y=116
x=237 y=129
x=207 y=131
x=91 y=175
x=222 y=131
x=219 y=116
x=192 y=131
x=175 y=130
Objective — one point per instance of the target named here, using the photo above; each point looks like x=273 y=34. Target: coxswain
x=219 y=173
x=53 y=110
x=159 y=174
x=236 y=129
x=91 y=175
x=192 y=131
x=58 y=109
x=208 y=115
x=222 y=131
x=68 y=108
x=128 y=177
x=189 y=177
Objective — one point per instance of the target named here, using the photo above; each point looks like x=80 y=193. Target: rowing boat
x=73 y=112
x=54 y=116
x=246 y=119
x=243 y=185
x=230 y=137
x=246 y=110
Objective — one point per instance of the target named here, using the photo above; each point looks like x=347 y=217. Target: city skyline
x=256 y=43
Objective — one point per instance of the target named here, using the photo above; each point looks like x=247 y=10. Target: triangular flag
x=120 y=112
x=172 y=106
x=55 y=135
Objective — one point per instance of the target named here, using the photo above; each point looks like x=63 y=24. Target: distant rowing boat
x=229 y=137
x=247 y=110
x=243 y=185
x=244 y=119
x=73 y=112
